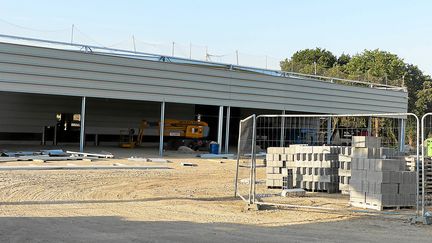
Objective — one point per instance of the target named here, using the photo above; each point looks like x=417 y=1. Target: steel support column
x=329 y=130
x=220 y=126
x=227 y=128
x=82 y=127
x=282 y=132
x=161 y=129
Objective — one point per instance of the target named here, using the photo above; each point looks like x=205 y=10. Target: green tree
x=423 y=103
x=343 y=59
x=307 y=60
x=370 y=65
x=414 y=80
x=376 y=66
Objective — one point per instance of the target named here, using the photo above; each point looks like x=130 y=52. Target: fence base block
x=252 y=207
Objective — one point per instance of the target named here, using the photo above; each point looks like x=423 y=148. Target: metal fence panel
x=426 y=163
x=245 y=158
x=399 y=133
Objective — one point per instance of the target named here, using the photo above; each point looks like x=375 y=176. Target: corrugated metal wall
x=59 y=72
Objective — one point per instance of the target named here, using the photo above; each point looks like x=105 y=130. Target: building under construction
x=99 y=91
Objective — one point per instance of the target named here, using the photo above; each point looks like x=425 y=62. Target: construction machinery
x=178 y=133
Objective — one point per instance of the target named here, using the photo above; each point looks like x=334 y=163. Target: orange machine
x=186 y=129
x=179 y=132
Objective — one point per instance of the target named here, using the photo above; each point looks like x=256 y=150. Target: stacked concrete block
x=275 y=167
x=379 y=180
x=411 y=162
x=345 y=155
x=344 y=171
x=313 y=168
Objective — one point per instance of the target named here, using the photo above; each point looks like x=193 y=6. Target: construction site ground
x=183 y=203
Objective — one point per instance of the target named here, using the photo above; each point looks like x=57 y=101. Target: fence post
x=402 y=135
x=252 y=174
x=238 y=158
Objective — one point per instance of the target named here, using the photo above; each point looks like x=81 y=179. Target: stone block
x=344 y=157
x=363 y=153
x=275 y=176
x=396 y=177
x=275 y=164
x=382 y=199
x=275 y=150
x=366 y=142
x=409 y=177
x=384 y=188
x=273 y=170
x=357 y=194
x=342 y=172
x=358 y=175
x=407 y=188
x=286 y=171
x=379 y=176
x=274 y=183
x=269 y=157
x=387 y=164
x=356 y=187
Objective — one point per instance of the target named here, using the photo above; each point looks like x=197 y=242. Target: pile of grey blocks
x=379 y=178
x=313 y=168
x=344 y=170
x=276 y=169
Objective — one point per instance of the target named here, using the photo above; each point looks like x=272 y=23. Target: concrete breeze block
x=276 y=164
x=275 y=150
x=269 y=157
x=273 y=170
x=387 y=164
x=366 y=141
x=274 y=176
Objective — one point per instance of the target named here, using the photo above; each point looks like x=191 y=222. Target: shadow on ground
x=55 y=202
x=116 y=229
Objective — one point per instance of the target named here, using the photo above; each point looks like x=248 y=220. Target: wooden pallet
x=379 y=207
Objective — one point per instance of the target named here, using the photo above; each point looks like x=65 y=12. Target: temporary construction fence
x=260 y=178
x=426 y=162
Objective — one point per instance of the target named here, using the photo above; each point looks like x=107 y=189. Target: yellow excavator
x=188 y=133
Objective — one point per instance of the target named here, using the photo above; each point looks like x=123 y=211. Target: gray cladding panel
x=30 y=69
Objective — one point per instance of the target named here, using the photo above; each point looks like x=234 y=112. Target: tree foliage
x=375 y=66
x=310 y=60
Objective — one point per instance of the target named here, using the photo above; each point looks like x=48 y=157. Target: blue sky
x=256 y=29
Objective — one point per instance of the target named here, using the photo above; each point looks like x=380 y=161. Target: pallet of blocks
x=344 y=170
x=315 y=168
x=379 y=179
x=311 y=168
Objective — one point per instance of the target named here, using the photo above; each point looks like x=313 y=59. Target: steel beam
x=82 y=127
x=220 y=127
x=227 y=128
x=282 y=132
x=162 y=129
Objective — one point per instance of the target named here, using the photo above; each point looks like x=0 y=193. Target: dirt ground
x=187 y=204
